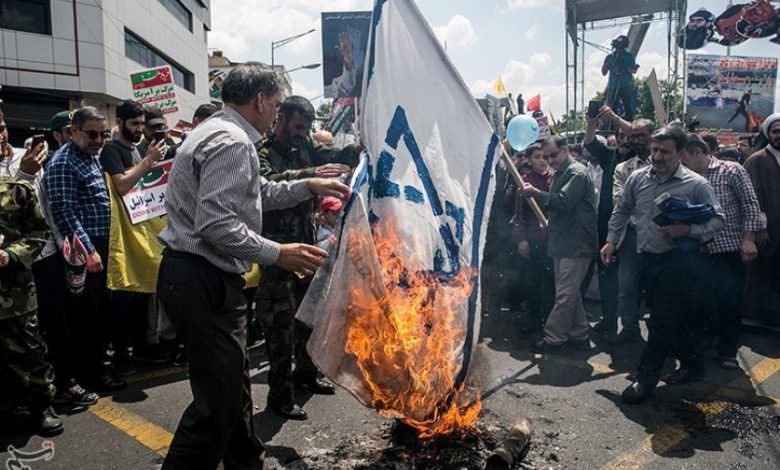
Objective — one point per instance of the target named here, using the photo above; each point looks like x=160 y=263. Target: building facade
x=62 y=54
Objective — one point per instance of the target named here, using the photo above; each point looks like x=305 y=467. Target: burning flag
x=396 y=314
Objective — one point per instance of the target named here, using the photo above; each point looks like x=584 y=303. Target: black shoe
x=76 y=395
x=636 y=393
x=110 y=383
x=605 y=326
x=582 y=345
x=48 y=422
x=543 y=347
x=685 y=375
x=626 y=336
x=318 y=386
x=289 y=411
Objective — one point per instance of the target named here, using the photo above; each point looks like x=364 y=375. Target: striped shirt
x=739 y=202
x=216 y=197
x=77 y=194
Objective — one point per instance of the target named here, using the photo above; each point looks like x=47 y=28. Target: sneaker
x=77 y=396
x=729 y=362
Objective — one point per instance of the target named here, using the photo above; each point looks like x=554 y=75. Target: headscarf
x=771 y=119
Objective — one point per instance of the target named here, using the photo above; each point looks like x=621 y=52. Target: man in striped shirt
x=723 y=277
x=215 y=200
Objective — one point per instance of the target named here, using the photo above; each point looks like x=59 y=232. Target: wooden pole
x=519 y=180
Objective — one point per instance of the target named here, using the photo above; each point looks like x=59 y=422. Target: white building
x=62 y=54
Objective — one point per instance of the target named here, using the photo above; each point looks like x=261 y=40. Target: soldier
x=23 y=233
x=288 y=154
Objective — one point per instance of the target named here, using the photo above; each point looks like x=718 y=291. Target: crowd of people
x=654 y=214
x=661 y=218
x=62 y=345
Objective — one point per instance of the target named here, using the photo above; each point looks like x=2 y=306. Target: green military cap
x=59 y=120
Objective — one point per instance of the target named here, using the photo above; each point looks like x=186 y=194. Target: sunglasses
x=93 y=135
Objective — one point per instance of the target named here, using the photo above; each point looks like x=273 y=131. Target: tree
x=323 y=111
x=570 y=122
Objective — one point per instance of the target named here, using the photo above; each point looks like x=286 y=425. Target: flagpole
x=510 y=165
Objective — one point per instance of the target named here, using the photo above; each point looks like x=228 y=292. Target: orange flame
x=404 y=338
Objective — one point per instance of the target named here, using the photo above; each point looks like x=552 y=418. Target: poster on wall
x=344 y=41
x=730 y=93
x=154 y=88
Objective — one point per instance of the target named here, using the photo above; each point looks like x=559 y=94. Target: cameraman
x=621 y=66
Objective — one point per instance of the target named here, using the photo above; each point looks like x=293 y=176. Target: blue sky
x=520 y=40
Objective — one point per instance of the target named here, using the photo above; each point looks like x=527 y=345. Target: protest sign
x=154 y=88
x=147 y=198
x=544 y=127
x=731 y=93
x=344 y=39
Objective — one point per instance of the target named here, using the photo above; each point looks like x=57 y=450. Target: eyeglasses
x=93 y=135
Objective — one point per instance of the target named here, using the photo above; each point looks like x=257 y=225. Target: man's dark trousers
x=724 y=279
x=669 y=277
x=208 y=310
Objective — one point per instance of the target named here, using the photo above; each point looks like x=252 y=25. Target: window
x=144 y=54
x=179 y=11
x=205 y=34
x=32 y=16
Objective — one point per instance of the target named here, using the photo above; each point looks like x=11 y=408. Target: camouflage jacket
x=23 y=231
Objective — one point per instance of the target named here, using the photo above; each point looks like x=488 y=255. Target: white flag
x=396 y=313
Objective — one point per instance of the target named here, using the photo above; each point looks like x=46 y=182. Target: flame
x=402 y=332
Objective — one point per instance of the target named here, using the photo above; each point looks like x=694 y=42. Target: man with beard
x=125 y=166
x=763 y=287
x=120 y=157
x=287 y=155
x=698 y=31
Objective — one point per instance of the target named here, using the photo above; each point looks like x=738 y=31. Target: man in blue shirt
x=80 y=206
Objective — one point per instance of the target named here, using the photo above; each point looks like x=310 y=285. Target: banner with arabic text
x=147 y=199
x=155 y=88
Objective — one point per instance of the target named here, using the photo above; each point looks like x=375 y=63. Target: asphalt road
x=728 y=422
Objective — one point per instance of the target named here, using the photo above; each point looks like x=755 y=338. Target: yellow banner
x=135 y=253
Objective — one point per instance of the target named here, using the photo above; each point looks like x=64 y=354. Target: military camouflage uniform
x=280 y=291
x=24 y=232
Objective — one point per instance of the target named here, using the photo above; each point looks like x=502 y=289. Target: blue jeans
x=629 y=281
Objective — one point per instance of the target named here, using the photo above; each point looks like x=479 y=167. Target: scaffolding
x=589 y=15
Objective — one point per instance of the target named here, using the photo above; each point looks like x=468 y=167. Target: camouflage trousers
x=22 y=352
x=285 y=339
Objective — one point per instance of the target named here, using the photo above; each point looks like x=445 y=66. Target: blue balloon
x=522 y=131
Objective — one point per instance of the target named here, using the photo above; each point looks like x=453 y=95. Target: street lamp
x=285 y=41
x=307 y=67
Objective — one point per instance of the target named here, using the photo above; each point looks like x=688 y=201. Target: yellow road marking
x=670 y=436
x=135 y=426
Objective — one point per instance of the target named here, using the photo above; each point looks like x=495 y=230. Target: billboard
x=730 y=93
x=344 y=41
